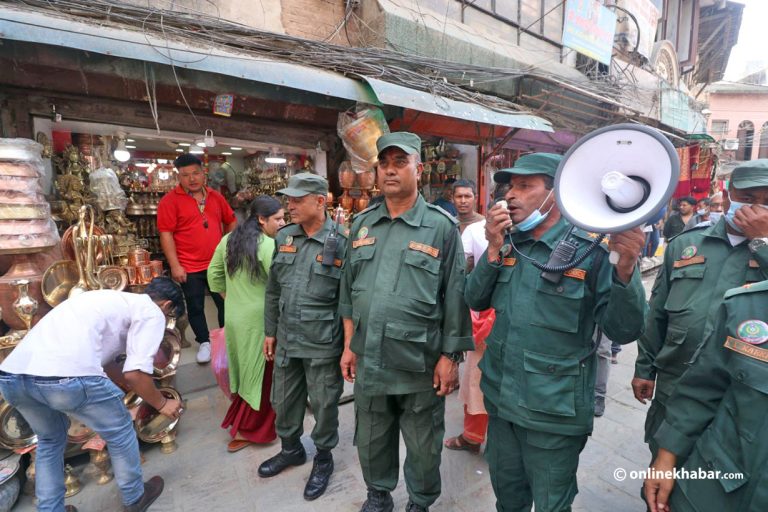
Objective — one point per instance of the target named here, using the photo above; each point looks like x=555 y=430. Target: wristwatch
x=455 y=357
x=756 y=244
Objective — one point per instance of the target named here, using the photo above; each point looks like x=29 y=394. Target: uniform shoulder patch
x=369 y=209
x=591 y=237
x=445 y=213
x=761 y=286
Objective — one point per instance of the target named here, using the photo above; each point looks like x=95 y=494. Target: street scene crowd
x=396 y=302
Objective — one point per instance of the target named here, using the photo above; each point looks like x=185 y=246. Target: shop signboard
x=646 y=14
x=589 y=29
x=676 y=112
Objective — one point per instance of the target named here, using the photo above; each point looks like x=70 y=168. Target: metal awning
x=35 y=27
x=397 y=95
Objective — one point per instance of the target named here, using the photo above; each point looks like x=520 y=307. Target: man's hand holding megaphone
x=629 y=244
x=500 y=220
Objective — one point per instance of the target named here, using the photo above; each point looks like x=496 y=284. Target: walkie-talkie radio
x=332 y=240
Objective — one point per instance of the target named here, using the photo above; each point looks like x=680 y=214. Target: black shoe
x=378 y=501
x=322 y=469
x=284 y=459
x=152 y=489
x=412 y=507
x=599 y=406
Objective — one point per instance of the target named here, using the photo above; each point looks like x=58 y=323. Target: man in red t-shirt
x=191 y=219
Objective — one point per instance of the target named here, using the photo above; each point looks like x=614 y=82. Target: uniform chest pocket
x=324 y=280
x=557 y=306
x=419 y=277
x=683 y=287
x=284 y=258
x=549 y=383
x=671 y=356
x=318 y=324
x=403 y=346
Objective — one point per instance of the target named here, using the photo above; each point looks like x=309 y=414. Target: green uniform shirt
x=302 y=294
x=699 y=266
x=403 y=288
x=537 y=368
x=718 y=409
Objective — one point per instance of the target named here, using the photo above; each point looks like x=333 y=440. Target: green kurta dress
x=243 y=320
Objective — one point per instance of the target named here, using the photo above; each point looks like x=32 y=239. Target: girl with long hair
x=238 y=271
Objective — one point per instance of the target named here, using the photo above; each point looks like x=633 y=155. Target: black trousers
x=194 y=293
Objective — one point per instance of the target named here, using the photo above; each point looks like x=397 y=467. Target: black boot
x=322 y=469
x=292 y=454
x=378 y=501
x=413 y=507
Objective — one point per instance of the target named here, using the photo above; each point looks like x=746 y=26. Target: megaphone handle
x=614 y=257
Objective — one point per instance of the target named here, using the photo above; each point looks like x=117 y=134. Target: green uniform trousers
x=293 y=380
x=378 y=423
x=530 y=466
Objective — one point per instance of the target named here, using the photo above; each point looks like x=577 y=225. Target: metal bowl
x=58 y=280
x=168 y=355
x=15 y=432
x=151 y=426
x=113 y=277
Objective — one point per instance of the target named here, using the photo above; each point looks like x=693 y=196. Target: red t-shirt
x=179 y=214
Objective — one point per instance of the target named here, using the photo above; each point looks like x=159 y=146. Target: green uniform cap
x=305 y=183
x=751 y=174
x=408 y=142
x=535 y=163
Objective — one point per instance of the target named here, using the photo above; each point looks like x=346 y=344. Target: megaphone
x=616 y=178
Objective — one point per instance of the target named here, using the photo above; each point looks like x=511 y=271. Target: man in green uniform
x=699 y=266
x=539 y=364
x=405 y=328
x=716 y=417
x=303 y=330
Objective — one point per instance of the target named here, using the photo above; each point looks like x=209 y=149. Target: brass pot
x=168 y=355
x=58 y=280
x=366 y=180
x=15 y=432
x=151 y=426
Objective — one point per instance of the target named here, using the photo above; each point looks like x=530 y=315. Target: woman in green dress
x=238 y=271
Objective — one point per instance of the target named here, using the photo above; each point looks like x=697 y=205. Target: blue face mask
x=535 y=218
x=735 y=205
x=715 y=217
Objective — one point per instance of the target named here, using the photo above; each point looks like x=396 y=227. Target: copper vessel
x=347 y=175
x=23 y=267
x=151 y=426
x=366 y=179
x=361 y=203
x=132 y=275
x=144 y=273
x=157 y=268
x=346 y=201
x=138 y=256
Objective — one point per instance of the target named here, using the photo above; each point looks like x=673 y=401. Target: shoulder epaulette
x=591 y=237
x=369 y=209
x=762 y=286
x=439 y=209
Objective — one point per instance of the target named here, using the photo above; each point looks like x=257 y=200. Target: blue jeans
x=96 y=401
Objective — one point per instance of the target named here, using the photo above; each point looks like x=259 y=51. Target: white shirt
x=473 y=240
x=84 y=333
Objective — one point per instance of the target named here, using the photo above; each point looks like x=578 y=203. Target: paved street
x=202 y=476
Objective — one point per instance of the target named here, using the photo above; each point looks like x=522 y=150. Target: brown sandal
x=237 y=444
x=460 y=443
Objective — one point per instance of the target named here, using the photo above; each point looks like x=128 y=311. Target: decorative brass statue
x=71 y=161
